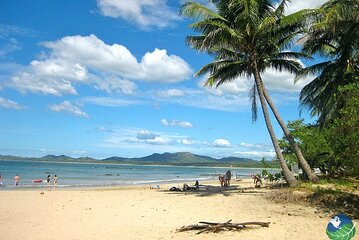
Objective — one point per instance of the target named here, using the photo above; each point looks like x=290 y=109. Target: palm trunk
x=304 y=164
x=288 y=175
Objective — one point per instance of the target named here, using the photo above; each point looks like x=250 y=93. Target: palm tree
x=304 y=164
x=246 y=37
x=333 y=35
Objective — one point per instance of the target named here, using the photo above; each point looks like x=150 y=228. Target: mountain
x=177 y=159
x=186 y=158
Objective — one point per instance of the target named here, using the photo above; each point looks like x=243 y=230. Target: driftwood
x=216 y=227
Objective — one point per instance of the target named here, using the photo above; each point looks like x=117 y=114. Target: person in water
x=55 y=181
x=17 y=180
x=48 y=180
x=1 y=185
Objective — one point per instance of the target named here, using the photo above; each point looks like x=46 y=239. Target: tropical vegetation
x=246 y=37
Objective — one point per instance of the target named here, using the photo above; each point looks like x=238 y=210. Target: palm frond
x=198 y=11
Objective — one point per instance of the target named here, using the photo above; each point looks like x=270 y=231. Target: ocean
x=99 y=174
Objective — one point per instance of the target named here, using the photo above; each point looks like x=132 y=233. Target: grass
x=329 y=195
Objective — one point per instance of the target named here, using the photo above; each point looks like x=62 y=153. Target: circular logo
x=340 y=227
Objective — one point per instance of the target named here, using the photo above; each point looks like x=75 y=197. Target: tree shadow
x=210 y=190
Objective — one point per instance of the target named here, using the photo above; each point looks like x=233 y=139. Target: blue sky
x=106 y=77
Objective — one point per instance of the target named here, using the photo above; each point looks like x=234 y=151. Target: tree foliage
x=334 y=35
x=343 y=134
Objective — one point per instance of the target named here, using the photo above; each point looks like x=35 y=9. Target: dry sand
x=144 y=213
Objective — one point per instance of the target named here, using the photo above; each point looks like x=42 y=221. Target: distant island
x=174 y=159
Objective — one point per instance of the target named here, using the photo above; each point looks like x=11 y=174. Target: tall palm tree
x=246 y=37
x=333 y=35
x=303 y=163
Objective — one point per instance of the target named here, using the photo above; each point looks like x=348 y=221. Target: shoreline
x=111 y=187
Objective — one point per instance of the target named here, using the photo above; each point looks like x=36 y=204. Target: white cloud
x=160 y=67
x=134 y=138
x=221 y=143
x=6 y=103
x=255 y=154
x=254 y=146
x=104 y=129
x=92 y=52
x=170 y=93
x=11 y=46
x=274 y=81
x=7 y=31
x=186 y=141
x=158 y=141
x=25 y=81
x=145 y=13
x=145 y=135
x=110 y=101
x=67 y=106
x=114 y=84
x=172 y=123
x=297 y=5
x=88 y=60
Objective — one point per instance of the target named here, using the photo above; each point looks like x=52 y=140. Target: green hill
x=176 y=159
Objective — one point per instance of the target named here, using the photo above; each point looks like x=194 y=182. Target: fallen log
x=217 y=227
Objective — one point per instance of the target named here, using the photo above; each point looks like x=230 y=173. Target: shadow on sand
x=210 y=190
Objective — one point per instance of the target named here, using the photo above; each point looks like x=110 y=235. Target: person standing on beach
x=1 y=185
x=48 y=179
x=55 y=181
x=227 y=178
x=17 y=180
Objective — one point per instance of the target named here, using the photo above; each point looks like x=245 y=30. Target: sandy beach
x=139 y=212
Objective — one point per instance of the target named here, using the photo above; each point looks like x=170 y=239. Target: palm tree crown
x=243 y=33
x=333 y=35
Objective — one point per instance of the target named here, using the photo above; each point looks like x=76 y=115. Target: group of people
x=48 y=180
x=17 y=180
x=225 y=180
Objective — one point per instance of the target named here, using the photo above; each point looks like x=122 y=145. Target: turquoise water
x=98 y=174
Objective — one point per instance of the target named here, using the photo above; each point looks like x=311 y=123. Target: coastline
x=139 y=212
x=133 y=164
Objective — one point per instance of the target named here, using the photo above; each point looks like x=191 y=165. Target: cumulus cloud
x=26 y=81
x=6 y=103
x=144 y=134
x=274 y=81
x=87 y=59
x=145 y=13
x=297 y=5
x=173 y=123
x=68 y=107
x=221 y=143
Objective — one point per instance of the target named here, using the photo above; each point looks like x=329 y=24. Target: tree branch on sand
x=217 y=227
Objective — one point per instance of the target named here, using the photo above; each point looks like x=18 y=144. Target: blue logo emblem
x=340 y=227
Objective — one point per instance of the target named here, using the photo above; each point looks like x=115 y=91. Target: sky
x=105 y=78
